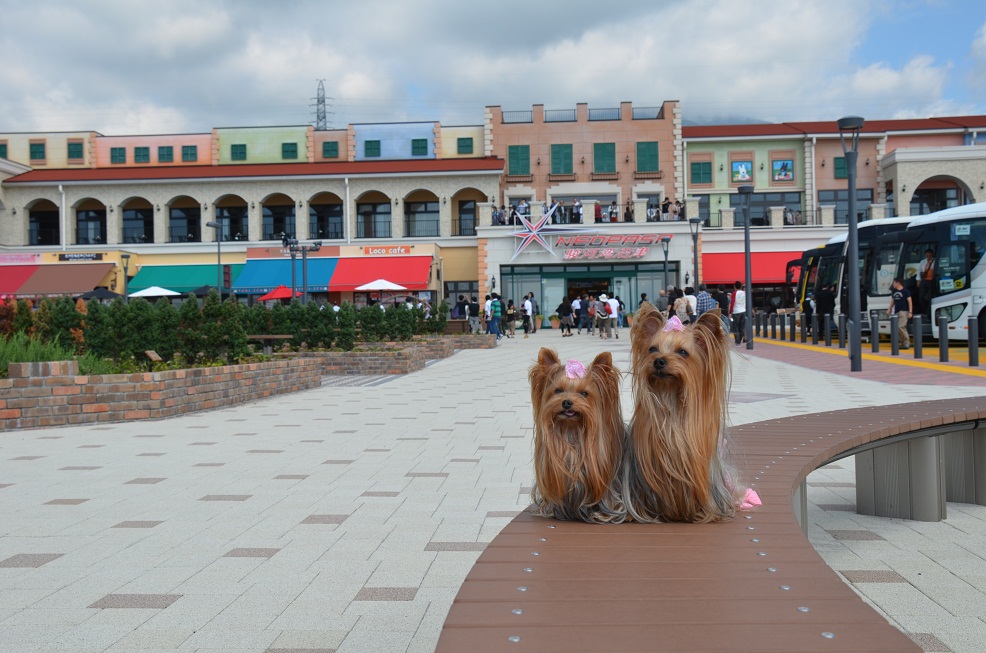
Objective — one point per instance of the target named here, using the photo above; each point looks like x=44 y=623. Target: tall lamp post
x=850 y=126
x=126 y=277
x=294 y=248
x=219 y=255
x=695 y=224
x=665 y=242
x=747 y=192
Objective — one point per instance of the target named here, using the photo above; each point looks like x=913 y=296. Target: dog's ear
x=709 y=331
x=548 y=357
x=604 y=359
x=647 y=322
x=541 y=373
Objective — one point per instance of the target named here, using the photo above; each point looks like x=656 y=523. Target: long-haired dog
x=578 y=438
x=674 y=469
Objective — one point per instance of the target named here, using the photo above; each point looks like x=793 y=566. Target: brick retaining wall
x=53 y=394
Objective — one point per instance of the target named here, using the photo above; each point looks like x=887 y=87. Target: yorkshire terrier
x=578 y=439
x=674 y=468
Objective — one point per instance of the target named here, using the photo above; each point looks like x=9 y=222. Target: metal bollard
x=814 y=328
x=792 y=320
x=918 y=336
x=804 y=329
x=828 y=329
x=943 y=338
x=783 y=320
x=973 y=342
x=894 y=335
x=842 y=330
x=874 y=332
x=773 y=326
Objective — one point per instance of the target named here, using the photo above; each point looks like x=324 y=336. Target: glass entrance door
x=552 y=291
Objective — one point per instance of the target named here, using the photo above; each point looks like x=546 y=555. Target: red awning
x=12 y=277
x=766 y=267
x=412 y=272
x=65 y=279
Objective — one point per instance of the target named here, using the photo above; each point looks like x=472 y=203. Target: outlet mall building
x=413 y=203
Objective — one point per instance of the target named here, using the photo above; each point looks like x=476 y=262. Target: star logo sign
x=537 y=231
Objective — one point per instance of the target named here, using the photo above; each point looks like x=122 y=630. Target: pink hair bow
x=674 y=324
x=750 y=500
x=574 y=369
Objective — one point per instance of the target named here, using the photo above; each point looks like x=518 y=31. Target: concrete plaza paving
x=346 y=518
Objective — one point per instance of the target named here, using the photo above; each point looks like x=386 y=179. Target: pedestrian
x=511 y=318
x=703 y=301
x=536 y=311
x=737 y=310
x=474 y=315
x=528 y=315
x=566 y=321
x=585 y=322
x=901 y=305
x=614 y=212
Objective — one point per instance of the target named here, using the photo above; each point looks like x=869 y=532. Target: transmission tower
x=321 y=120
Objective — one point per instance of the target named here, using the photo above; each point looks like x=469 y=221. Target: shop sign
x=589 y=253
x=615 y=240
x=23 y=259
x=80 y=256
x=388 y=250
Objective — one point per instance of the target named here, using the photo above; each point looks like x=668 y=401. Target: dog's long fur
x=578 y=440
x=674 y=468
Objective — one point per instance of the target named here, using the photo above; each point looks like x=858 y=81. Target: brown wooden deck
x=752 y=584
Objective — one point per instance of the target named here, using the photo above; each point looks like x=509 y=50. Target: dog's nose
x=660 y=363
x=567 y=404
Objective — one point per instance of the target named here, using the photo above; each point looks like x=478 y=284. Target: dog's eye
x=584 y=394
x=683 y=353
x=558 y=391
x=653 y=350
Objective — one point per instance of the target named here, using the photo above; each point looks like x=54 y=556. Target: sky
x=122 y=67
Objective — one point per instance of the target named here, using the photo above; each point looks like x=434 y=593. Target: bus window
x=829 y=271
x=953 y=267
x=884 y=270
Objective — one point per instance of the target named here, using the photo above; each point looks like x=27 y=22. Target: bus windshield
x=829 y=271
x=884 y=269
x=959 y=253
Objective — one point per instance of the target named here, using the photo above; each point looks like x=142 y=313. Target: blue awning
x=260 y=276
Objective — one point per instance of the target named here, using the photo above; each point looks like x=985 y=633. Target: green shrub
x=22 y=348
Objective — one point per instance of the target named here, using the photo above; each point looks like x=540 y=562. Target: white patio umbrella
x=155 y=291
x=380 y=284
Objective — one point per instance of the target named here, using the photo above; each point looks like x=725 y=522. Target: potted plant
x=555 y=320
x=629 y=317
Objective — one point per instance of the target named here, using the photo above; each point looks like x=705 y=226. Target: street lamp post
x=219 y=255
x=665 y=241
x=747 y=193
x=126 y=277
x=851 y=126
x=695 y=224
x=294 y=248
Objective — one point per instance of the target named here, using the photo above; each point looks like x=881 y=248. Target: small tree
x=280 y=322
x=66 y=323
x=23 y=318
x=166 y=340
x=190 y=329
x=8 y=311
x=371 y=322
x=258 y=320
x=233 y=317
x=43 y=320
x=98 y=331
x=346 y=327
x=213 y=338
x=298 y=319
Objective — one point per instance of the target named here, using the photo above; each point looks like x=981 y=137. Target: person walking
x=737 y=310
x=564 y=312
x=901 y=305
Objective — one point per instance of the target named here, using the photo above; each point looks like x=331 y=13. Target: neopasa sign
x=607 y=246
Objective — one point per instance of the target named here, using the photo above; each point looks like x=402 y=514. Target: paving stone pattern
x=347 y=517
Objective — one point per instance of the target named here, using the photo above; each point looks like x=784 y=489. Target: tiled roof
x=334 y=169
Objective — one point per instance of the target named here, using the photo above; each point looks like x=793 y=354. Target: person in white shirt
x=737 y=309
x=528 y=316
x=614 y=312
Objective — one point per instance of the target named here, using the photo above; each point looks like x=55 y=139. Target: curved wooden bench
x=751 y=584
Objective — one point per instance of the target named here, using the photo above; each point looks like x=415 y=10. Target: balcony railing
x=332 y=231
x=422 y=228
x=511 y=117
x=137 y=235
x=605 y=114
x=464 y=226
x=560 y=115
x=648 y=113
x=182 y=235
x=45 y=237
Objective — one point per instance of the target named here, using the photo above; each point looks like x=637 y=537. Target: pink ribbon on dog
x=674 y=324
x=574 y=369
x=750 y=501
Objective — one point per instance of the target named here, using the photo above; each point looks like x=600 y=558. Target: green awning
x=180 y=278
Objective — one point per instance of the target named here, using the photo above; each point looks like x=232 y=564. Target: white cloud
x=197 y=64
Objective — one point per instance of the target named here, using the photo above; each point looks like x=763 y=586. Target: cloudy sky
x=141 y=66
